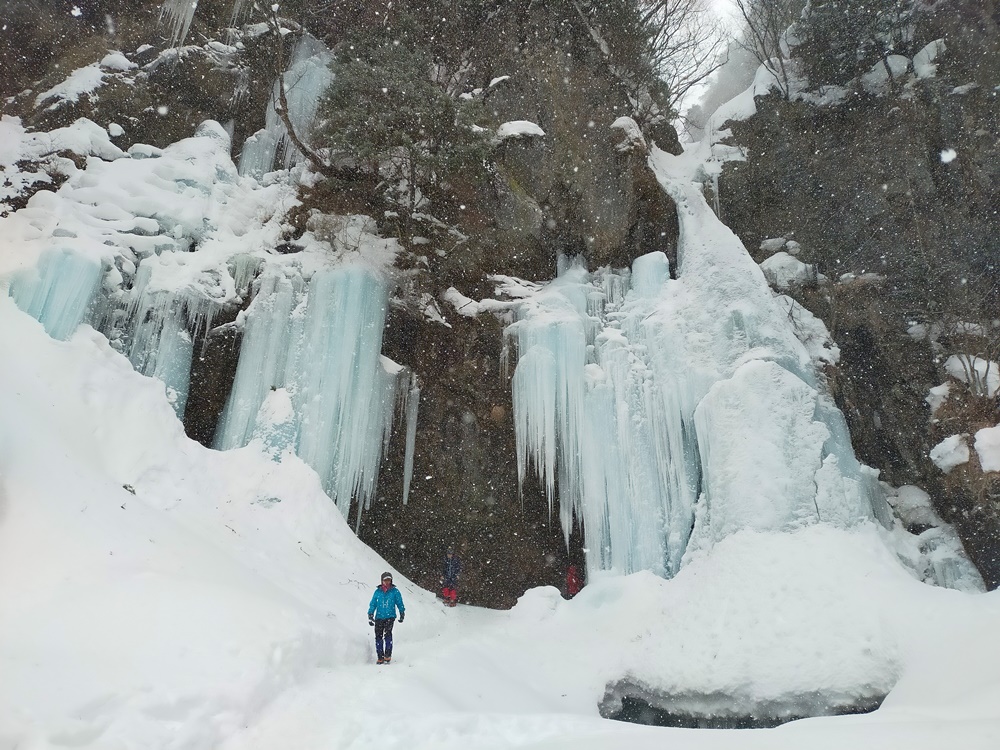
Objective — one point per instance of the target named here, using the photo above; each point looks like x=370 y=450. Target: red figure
x=572 y=581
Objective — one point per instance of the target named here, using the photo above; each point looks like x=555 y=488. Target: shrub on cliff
x=843 y=38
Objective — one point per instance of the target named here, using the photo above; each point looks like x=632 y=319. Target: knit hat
x=387 y=574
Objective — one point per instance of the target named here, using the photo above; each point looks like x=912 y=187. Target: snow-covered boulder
x=981 y=375
x=876 y=80
x=783 y=271
x=772 y=245
x=988 y=448
x=516 y=129
x=913 y=506
x=632 y=138
x=951 y=452
x=924 y=65
x=937 y=395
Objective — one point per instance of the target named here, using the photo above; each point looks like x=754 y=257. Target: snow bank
x=152 y=588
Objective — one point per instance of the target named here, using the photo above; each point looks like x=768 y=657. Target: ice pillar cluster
x=666 y=414
x=150 y=247
x=318 y=346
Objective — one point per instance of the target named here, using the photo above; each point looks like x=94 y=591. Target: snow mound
x=169 y=583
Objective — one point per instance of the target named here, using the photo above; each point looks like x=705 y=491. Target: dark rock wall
x=465 y=488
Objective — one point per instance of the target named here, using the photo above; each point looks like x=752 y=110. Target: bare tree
x=765 y=23
x=686 y=43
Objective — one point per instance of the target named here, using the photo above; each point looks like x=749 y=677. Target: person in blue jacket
x=382 y=614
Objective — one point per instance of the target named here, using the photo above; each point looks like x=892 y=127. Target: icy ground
x=223 y=606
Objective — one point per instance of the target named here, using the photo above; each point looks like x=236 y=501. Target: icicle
x=59 y=292
x=239 y=8
x=179 y=14
x=412 y=405
x=341 y=388
x=261 y=367
x=305 y=81
x=243 y=269
x=165 y=324
x=322 y=343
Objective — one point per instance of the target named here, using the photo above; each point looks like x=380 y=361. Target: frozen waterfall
x=667 y=414
x=59 y=291
x=150 y=246
x=320 y=343
x=306 y=79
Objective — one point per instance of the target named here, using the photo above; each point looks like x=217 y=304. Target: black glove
x=371 y=621
x=401 y=616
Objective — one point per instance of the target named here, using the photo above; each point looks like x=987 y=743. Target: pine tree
x=385 y=116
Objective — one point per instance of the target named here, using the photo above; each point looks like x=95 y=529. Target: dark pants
x=383 y=632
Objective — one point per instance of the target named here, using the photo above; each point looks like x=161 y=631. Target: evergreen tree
x=385 y=116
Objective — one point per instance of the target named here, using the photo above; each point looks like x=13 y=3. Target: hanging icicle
x=322 y=342
x=178 y=14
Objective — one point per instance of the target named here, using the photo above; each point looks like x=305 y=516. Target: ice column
x=411 y=407
x=322 y=343
x=305 y=81
x=59 y=291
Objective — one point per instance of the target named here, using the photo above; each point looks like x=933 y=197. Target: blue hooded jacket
x=384 y=603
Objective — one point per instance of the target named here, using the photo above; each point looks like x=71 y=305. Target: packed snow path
x=155 y=594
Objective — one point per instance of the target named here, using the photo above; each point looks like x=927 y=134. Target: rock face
x=901 y=194
x=464 y=490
